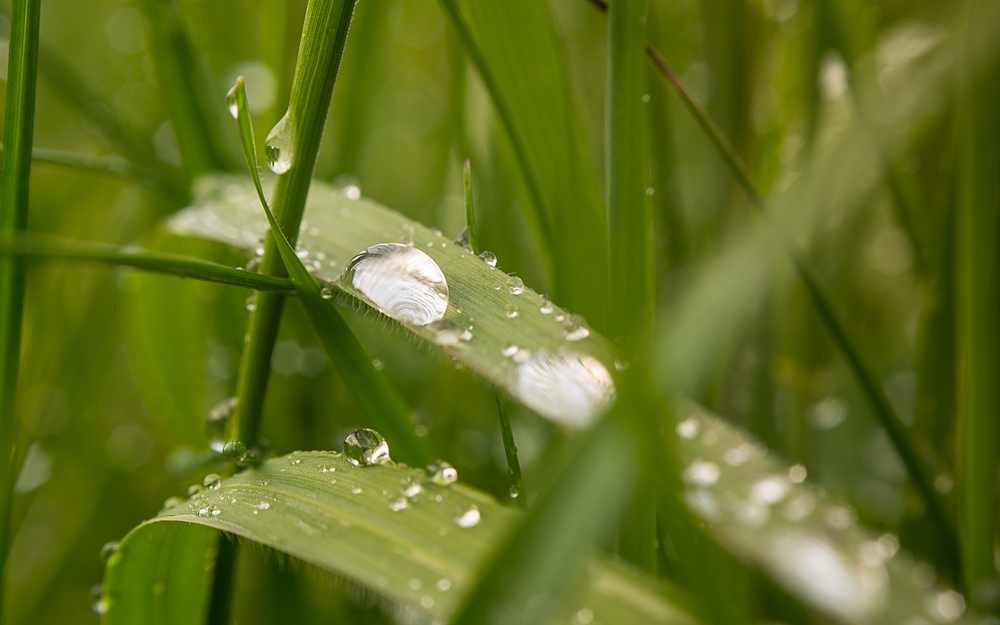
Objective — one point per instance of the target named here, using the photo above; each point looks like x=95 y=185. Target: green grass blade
x=977 y=307
x=324 y=34
x=382 y=404
x=479 y=295
x=185 y=87
x=318 y=507
x=19 y=121
x=470 y=212
x=528 y=86
x=44 y=247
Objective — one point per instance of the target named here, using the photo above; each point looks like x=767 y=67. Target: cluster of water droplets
x=808 y=542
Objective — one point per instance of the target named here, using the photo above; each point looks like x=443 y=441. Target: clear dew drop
x=566 y=387
x=441 y=473
x=469 y=518
x=97 y=602
x=279 y=146
x=404 y=282
x=511 y=310
x=577 y=332
x=513 y=492
x=231 y=102
x=489 y=258
x=509 y=351
x=412 y=490
x=212 y=481
x=235 y=450
x=170 y=502
x=515 y=285
x=252 y=303
x=215 y=511
x=108 y=549
x=365 y=447
x=193 y=490
x=326 y=292
x=546 y=308
x=398 y=504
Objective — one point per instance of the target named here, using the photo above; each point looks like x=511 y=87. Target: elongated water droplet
x=568 y=388
x=216 y=422
x=469 y=518
x=515 y=285
x=366 y=447
x=490 y=258
x=441 y=473
x=212 y=481
x=404 y=282
x=108 y=549
x=234 y=108
x=279 y=146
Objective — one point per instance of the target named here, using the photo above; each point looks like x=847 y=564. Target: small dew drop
x=546 y=308
x=293 y=459
x=365 y=447
x=511 y=310
x=412 y=490
x=577 y=332
x=216 y=511
x=252 y=303
x=509 y=351
x=212 y=481
x=108 y=549
x=377 y=364
x=513 y=492
x=233 y=105
x=97 y=602
x=171 y=502
x=356 y=490
x=489 y=258
x=469 y=518
x=441 y=473
x=402 y=281
x=278 y=147
x=515 y=285
x=398 y=504
x=193 y=490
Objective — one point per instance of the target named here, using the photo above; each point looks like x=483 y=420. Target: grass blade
x=44 y=247
x=19 y=122
x=977 y=307
x=318 y=507
x=528 y=86
x=382 y=404
x=324 y=34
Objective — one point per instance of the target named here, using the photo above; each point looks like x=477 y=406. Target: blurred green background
x=120 y=368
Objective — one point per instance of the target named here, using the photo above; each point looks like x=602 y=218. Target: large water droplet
x=366 y=447
x=515 y=285
x=234 y=109
x=279 y=146
x=569 y=388
x=490 y=258
x=235 y=451
x=404 y=282
x=469 y=518
x=441 y=473
x=212 y=481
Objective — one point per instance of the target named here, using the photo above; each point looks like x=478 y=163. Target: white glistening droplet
x=279 y=145
x=568 y=388
x=404 y=282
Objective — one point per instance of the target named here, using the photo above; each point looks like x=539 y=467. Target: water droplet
x=444 y=584
x=193 y=490
x=264 y=505
x=325 y=468
x=412 y=490
x=397 y=504
x=252 y=303
x=515 y=285
x=234 y=108
x=511 y=310
x=441 y=473
x=293 y=459
x=216 y=511
x=490 y=258
x=170 y=502
x=577 y=332
x=108 y=549
x=97 y=603
x=569 y=388
x=377 y=364
x=509 y=351
x=212 y=481
x=235 y=450
x=469 y=518
x=279 y=145
x=547 y=308
x=446 y=332
x=217 y=419
x=513 y=492
x=701 y=473
x=404 y=282
x=356 y=490
x=326 y=292
x=621 y=365
x=366 y=447
x=466 y=334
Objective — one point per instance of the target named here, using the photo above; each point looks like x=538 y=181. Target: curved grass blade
x=760 y=509
x=405 y=545
x=380 y=401
x=507 y=323
x=42 y=247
